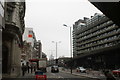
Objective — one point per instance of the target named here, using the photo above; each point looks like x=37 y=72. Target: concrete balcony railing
x=99 y=33
x=92 y=25
x=95 y=29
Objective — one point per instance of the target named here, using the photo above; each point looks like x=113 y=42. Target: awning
x=33 y=60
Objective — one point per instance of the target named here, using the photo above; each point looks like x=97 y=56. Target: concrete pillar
x=7 y=57
x=15 y=63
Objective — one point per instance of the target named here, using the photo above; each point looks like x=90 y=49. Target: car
x=54 y=69
x=116 y=72
x=39 y=75
x=81 y=69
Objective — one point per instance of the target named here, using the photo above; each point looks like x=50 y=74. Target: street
x=61 y=75
x=35 y=38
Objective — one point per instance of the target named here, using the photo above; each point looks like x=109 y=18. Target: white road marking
x=53 y=74
x=60 y=77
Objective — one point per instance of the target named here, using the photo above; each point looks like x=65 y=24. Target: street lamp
x=56 y=48
x=70 y=43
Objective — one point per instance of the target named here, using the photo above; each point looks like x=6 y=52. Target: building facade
x=96 y=43
x=26 y=53
x=29 y=50
x=39 y=49
x=44 y=55
x=12 y=38
x=2 y=14
x=62 y=61
x=29 y=36
x=1 y=27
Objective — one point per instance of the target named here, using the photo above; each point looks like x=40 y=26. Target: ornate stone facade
x=12 y=38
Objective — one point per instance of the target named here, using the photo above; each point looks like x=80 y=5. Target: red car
x=39 y=76
x=116 y=72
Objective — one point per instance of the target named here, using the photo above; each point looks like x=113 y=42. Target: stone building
x=1 y=27
x=12 y=38
x=2 y=14
x=96 y=43
x=26 y=53
x=29 y=36
x=29 y=49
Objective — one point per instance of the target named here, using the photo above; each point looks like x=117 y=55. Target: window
x=9 y=15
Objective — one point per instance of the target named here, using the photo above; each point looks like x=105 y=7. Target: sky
x=47 y=17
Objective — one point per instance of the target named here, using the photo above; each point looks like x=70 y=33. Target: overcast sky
x=47 y=17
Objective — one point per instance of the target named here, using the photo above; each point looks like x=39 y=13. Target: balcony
x=98 y=50
x=112 y=27
x=92 y=25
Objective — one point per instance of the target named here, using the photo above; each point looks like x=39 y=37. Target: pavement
x=27 y=75
x=0 y=76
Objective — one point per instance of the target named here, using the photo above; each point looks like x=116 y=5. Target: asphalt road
x=53 y=76
x=64 y=76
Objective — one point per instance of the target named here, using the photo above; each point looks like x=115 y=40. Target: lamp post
x=56 y=48
x=70 y=43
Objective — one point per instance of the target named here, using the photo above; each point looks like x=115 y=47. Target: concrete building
x=62 y=61
x=12 y=38
x=29 y=50
x=29 y=36
x=96 y=43
x=78 y=25
x=110 y=9
x=39 y=49
x=44 y=55
x=51 y=60
x=36 y=46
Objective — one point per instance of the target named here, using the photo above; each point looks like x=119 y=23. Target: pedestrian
x=28 y=67
x=31 y=68
x=34 y=68
x=23 y=69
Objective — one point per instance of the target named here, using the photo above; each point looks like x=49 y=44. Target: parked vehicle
x=116 y=72
x=54 y=69
x=81 y=69
x=41 y=64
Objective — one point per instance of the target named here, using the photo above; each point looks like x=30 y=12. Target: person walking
x=31 y=69
x=23 y=69
x=34 y=68
x=28 y=67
